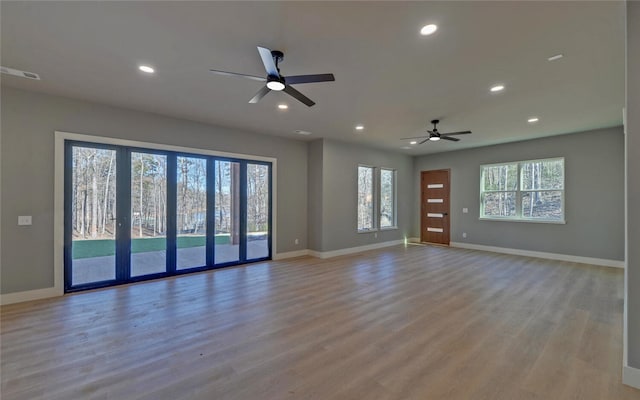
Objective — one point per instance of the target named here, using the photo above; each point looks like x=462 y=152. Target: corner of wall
x=315 y=185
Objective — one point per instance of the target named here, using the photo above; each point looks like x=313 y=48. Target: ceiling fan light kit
x=275 y=81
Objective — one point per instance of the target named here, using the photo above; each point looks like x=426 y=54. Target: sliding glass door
x=134 y=214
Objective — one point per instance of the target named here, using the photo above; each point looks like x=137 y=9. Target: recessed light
x=147 y=69
x=413 y=142
x=497 y=88
x=533 y=120
x=428 y=29
x=556 y=57
x=359 y=127
x=283 y=106
x=301 y=132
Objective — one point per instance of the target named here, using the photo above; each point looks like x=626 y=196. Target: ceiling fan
x=434 y=135
x=277 y=82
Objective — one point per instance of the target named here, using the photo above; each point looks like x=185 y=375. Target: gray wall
x=633 y=183
x=594 y=200
x=28 y=124
x=339 y=194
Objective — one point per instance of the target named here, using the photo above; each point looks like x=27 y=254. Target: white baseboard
x=539 y=254
x=413 y=240
x=631 y=376
x=291 y=254
x=352 y=250
x=316 y=254
x=28 y=295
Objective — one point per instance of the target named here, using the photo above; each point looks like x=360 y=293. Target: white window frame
x=519 y=191
x=394 y=198
x=374 y=222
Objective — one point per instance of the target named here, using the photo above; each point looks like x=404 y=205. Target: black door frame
x=123 y=210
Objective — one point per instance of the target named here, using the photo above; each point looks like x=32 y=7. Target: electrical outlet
x=296 y=241
x=465 y=210
x=464 y=235
x=24 y=220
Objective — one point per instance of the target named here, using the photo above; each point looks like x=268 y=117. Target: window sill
x=367 y=231
x=389 y=228
x=535 y=221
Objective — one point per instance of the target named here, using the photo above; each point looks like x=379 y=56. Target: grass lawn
x=107 y=247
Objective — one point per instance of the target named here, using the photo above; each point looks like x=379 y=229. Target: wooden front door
x=434 y=210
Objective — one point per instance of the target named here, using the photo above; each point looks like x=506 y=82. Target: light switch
x=24 y=220
x=465 y=210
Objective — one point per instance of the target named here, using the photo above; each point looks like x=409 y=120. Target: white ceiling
x=388 y=77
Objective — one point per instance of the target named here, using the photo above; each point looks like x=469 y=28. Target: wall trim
x=540 y=254
x=631 y=376
x=28 y=295
x=352 y=250
x=291 y=254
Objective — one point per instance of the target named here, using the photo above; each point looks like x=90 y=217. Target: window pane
x=387 y=198
x=148 y=213
x=93 y=215
x=257 y=211
x=543 y=174
x=191 y=209
x=227 y=211
x=499 y=204
x=543 y=205
x=365 y=198
x=500 y=177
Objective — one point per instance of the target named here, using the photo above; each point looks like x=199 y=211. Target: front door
x=434 y=214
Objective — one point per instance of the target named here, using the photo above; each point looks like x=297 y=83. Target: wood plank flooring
x=416 y=322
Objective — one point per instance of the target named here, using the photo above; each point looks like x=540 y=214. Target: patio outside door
x=133 y=214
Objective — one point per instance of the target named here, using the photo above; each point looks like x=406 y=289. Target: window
x=365 y=198
x=376 y=198
x=526 y=190
x=387 y=198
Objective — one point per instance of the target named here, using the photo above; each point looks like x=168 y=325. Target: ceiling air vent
x=21 y=74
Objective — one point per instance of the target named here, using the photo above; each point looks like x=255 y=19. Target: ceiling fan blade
x=297 y=79
x=453 y=139
x=298 y=96
x=261 y=93
x=456 y=133
x=426 y=140
x=267 y=60
x=417 y=137
x=226 y=73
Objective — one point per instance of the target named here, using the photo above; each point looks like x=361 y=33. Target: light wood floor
x=398 y=323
